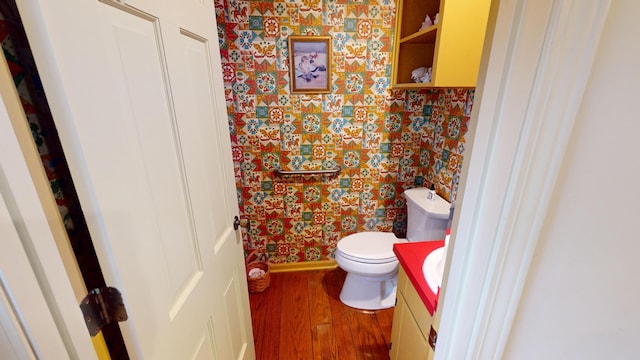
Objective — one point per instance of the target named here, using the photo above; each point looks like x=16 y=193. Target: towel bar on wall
x=334 y=171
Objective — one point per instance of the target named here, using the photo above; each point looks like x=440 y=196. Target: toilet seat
x=371 y=247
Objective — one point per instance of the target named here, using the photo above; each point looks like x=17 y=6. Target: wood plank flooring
x=300 y=316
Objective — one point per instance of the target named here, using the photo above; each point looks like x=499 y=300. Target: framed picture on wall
x=310 y=64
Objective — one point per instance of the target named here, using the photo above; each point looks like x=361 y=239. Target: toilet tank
x=426 y=218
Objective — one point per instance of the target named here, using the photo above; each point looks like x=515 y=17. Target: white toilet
x=368 y=258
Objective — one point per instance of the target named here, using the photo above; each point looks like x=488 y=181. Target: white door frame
x=49 y=313
x=535 y=66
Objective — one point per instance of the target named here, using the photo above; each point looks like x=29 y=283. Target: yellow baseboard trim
x=303 y=266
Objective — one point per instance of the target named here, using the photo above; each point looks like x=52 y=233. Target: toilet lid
x=369 y=246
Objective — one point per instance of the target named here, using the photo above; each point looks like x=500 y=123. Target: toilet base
x=369 y=293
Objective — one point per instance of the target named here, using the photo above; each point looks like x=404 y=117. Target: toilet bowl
x=368 y=258
x=372 y=269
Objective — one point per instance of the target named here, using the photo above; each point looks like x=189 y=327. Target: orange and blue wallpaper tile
x=385 y=140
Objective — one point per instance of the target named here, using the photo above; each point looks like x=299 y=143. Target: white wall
x=582 y=297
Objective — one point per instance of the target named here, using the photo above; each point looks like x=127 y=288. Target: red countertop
x=411 y=256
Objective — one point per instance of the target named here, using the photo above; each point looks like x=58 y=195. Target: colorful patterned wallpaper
x=385 y=140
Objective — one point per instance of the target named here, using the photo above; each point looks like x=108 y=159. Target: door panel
x=158 y=142
x=204 y=350
x=233 y=340
x=140 y=111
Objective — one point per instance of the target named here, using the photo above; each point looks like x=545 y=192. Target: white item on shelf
x=426 y=23
x=421 y=74
x=417 y=74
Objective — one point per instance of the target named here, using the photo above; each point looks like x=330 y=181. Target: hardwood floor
x=301 y=317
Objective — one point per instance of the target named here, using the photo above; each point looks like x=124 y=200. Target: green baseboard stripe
x=303 y=266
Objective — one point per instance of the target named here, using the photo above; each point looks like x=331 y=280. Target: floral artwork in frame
x=310 y=64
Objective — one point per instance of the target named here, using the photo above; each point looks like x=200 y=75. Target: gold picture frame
x=310 y=64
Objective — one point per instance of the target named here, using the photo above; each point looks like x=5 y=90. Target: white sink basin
x=433 y=267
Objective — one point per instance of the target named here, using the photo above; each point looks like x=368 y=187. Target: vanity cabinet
x=452 y=47
x=411 y=324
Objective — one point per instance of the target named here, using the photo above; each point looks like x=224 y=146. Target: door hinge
x=433 y=337
x=101 y=307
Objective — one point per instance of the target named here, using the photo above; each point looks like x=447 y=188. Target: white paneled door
x=136 y=92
